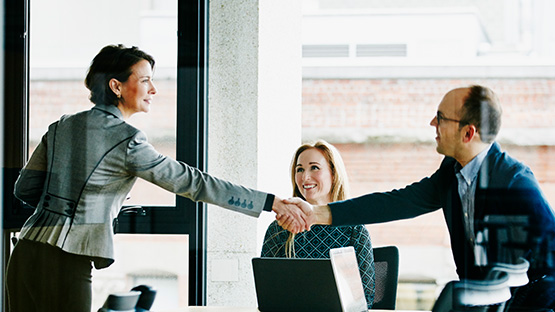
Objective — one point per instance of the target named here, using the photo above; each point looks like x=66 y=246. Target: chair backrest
x=386 y=264
x=474 y=295
x=139 y=299
x=121 y=302
x=517 y=272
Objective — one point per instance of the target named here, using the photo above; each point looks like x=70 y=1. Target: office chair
x=139 y=299
x=121 y=302
x=386 y=264
x=518 y=272
x=489 y=294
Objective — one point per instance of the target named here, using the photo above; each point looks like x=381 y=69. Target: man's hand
x=289 y=215
x=320 y=214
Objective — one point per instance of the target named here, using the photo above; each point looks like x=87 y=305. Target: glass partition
x=373 y=75
x=64 y=37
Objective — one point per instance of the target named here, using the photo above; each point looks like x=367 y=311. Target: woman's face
x=313 y=177
x=137 y=92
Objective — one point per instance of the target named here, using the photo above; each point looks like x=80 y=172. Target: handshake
x=297 y=215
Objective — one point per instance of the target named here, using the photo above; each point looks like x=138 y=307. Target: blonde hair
x=339 y=186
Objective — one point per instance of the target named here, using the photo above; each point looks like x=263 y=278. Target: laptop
x=323 y=285
x=347 y=279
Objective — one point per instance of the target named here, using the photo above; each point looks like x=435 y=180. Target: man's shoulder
x=502 y=161
x=503 y=169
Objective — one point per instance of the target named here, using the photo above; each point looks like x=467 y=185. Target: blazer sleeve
x=145 y=162
x=30 y=183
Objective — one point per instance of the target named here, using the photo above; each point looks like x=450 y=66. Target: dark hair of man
x=113 y=61
x=481 y=108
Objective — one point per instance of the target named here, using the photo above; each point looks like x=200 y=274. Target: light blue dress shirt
x=467 y=177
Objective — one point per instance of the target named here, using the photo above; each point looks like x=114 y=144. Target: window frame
x=186 y=217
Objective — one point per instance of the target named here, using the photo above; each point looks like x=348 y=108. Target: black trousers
x=41 y=277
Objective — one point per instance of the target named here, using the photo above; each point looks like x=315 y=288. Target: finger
x=296 y=228
x=292 y=200
x=287 y=223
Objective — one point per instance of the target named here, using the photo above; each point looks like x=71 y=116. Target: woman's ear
x=115 y=86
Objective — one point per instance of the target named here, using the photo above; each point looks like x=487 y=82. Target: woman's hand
x=289 y=216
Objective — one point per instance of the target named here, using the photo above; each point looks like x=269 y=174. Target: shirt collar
x=112 y=109
x=470 y=171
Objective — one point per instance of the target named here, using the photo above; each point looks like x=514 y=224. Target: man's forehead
x=453 y=100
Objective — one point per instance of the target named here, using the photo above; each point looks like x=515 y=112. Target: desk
x=244 y=309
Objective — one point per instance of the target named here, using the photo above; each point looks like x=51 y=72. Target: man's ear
x=469 y=132
x=115 y=86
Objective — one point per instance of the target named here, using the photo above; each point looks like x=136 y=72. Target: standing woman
x=318 y=176
x=79 y=176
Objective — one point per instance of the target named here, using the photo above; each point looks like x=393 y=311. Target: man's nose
x=434 y=122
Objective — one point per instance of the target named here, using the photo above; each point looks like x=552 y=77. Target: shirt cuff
x=269 y=202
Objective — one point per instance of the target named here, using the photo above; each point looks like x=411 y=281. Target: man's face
x=446 y=122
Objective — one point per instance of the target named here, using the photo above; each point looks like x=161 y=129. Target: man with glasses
x=479 y=188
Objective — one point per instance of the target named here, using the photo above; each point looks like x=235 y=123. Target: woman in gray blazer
x=79 y=176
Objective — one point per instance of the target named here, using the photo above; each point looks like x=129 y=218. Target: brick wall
x=411 y=103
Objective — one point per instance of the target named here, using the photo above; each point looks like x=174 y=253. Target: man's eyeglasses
x=440 y=118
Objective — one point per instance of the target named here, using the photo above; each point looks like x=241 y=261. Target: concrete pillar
x=254 y=114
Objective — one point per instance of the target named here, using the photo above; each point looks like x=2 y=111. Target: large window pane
x=373 y=74
x=65 y=36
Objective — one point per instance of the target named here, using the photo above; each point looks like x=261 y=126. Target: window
x=375 y=102
x=62 y=46
x=54 y=44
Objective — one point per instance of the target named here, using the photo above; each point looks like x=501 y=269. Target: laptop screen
x=347 y=279
x=295 y=285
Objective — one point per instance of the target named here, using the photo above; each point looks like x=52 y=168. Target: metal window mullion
x=191 y=130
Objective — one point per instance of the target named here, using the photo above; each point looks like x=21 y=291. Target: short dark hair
x=113 y=61
x=481 y=108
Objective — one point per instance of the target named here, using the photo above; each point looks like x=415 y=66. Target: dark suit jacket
x=505 y=188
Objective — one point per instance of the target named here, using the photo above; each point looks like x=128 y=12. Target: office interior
x=242 y=83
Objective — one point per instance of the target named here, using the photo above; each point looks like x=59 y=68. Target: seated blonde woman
x=318 y=176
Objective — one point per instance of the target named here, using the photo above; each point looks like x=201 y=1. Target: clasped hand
x=294 y=214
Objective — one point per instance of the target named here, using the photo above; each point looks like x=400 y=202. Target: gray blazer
x=83 y=169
